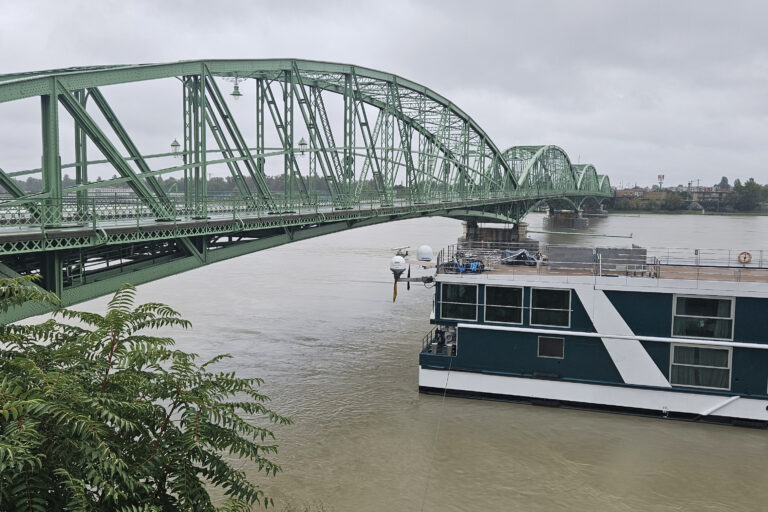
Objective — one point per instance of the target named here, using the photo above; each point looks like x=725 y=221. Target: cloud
x=635 y=87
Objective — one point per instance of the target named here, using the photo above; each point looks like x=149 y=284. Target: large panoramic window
x=701 y=367
x=458 y=301
x=504 y=304
x=550 y=307
x=703 y=317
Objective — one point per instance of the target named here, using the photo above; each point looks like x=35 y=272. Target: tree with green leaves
x=746 y=197
x=673 y=201
x=104 y=415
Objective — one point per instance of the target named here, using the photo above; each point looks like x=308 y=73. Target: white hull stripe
x=617 y=396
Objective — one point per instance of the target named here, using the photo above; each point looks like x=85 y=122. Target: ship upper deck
x=523 y=260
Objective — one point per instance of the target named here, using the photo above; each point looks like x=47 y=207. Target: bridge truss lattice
x=373 y=147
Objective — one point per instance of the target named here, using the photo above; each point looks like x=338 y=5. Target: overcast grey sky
x=637 y=88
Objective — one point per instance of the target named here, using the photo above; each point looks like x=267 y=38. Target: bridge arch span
x=333 y=146
x=541 y=167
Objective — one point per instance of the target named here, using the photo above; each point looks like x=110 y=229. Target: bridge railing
x=123 y=208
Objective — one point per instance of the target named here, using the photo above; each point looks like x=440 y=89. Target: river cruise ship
x=680 y=333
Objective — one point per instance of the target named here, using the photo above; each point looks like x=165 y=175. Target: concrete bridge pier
x=599 y=210
x=567 y=219
x=516 y=234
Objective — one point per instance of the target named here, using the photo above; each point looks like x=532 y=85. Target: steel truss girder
x=103 y=286
x=10 y=185
x=369 y=140
x=331 y=168
x=285 y=132
x=100 y=140
x=195 y=108
x=125 y=139
x=448 y=161
x=215 y=104
x=327 y=141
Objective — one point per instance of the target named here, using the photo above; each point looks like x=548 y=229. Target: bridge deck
x=23 y=231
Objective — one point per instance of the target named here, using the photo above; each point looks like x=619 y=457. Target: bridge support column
x=599 y=210
x=53 y=279
x=51 y=161
x=502 y=234
x=567 y=219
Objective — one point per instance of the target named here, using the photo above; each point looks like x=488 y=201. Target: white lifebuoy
x=744 y=257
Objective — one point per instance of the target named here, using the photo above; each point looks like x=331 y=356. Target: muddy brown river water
x=315 y=319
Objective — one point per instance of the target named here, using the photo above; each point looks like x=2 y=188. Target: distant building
x=655 y=195
x=709 y=194
x=629 y=192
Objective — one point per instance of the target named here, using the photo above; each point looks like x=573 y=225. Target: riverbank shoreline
x=688 y=212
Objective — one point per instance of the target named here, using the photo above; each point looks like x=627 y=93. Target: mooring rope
x=437 y=434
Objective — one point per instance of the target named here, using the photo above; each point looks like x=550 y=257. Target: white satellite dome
x=424 y=253
x=398 y=264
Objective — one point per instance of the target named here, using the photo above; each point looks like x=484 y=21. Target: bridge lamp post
x=175 y=148
x=302 y=146
x=236 y=94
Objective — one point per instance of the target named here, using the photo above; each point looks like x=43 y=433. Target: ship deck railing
x=702 y=264
x=431 y=344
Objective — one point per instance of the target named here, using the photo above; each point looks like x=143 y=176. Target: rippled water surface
x=315 y=319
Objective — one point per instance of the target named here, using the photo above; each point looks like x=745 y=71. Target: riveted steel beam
x=126 y=141
x=101 y=141
x=313 y=111
x=227 y=119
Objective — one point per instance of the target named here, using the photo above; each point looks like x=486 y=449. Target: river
x=315 y=319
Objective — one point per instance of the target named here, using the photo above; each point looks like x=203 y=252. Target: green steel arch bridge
x=373 y=147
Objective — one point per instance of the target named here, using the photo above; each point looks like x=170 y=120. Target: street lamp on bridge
x=175 y=148
x=236 y=94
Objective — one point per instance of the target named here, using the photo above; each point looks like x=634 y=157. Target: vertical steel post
x=52 y=275
x=260 y=126
x=312 y=108
x=202 y=154
x=447 y=165
x=486 y=188
x=349 y=141
x=288 y=176
x=390 y=171
x=188 y=91
x=81 y=157
x=51 y=161
x=195 y=186
x=463 y=185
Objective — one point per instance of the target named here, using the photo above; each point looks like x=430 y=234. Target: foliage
x=104 y=416
x=15 y=292
x=746 y=197
x=673 y=201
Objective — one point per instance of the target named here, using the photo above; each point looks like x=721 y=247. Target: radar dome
x=397 y=264
x=424 y=253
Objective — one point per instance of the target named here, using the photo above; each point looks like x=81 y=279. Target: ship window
x=551 y=347
x=504 y=304
x=701 y=367
x=458 y=301
x=550 y=307
x=703 y=317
